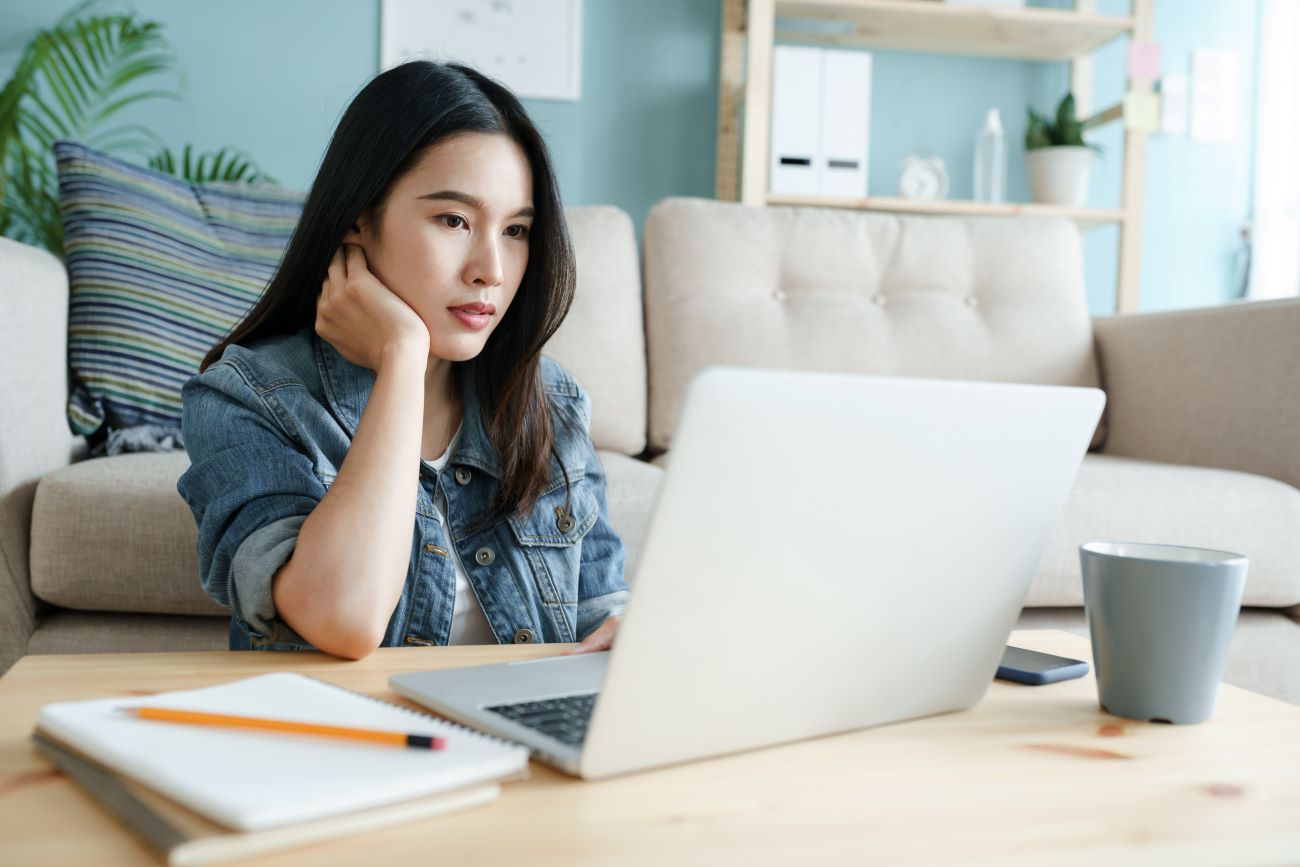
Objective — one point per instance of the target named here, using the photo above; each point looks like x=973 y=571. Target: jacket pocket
x=550 y=537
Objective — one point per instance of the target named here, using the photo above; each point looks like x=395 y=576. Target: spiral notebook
x=250 y=780
x=183 y=838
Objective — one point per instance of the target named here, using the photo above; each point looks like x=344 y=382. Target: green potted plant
x=72 y=82
x=1057 y=157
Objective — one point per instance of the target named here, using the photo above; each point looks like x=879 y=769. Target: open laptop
x=826 y=552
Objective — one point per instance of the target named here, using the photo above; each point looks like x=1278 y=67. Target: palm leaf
x=135 y=52
x=103 y=139
x=221 y=165
x=117 y=105
x=70 y=81
x=34 y=208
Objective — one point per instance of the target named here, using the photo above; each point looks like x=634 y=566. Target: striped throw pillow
x=159 y=270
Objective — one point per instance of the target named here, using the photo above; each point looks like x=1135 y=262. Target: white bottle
x=991 y=160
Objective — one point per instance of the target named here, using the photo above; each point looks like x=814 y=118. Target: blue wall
x=273 y=77
x=1198 y=195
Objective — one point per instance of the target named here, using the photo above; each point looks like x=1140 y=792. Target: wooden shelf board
x=1085 y=217
x=930 y=26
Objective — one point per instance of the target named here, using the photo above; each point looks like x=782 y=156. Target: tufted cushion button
x=778 y=294
x=878 y=300
x=972 y=301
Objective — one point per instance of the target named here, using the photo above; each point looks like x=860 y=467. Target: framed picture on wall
x=534 y=47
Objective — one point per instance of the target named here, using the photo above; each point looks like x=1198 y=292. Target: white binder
x=796 y=153
x=821 y=106
x=845 y=120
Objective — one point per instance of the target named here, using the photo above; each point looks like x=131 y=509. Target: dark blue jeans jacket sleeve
x=250 y=489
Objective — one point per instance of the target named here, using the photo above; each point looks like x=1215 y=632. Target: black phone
x=1034 y=668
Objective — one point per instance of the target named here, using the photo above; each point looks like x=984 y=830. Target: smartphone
x=1036 y=669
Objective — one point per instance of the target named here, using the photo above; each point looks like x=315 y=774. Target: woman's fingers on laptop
x=601 y=639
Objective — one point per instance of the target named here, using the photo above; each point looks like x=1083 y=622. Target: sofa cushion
x=112 y=534
x=838 y=290
x=66 y=631
x=1129 y=500
x=159 y=270
x=630 y=491
x=602 y=341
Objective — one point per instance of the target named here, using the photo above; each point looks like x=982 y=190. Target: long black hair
x=382 y=136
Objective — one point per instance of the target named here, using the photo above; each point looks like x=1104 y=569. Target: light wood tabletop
x=1031 y=775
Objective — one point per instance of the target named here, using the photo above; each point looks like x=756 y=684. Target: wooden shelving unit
x=750 y=29
x=1085 y=217
x=935 y=27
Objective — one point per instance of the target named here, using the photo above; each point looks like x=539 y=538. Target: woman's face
x=453 y=238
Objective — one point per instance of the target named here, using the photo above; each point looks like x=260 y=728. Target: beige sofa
x=1200 y=443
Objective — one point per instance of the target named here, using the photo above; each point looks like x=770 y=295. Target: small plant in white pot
x=1057 y=157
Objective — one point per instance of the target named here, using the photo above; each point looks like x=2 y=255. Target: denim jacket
x=267 y=428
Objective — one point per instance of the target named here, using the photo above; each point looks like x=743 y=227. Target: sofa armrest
x=34 y=436
x=1210 y=387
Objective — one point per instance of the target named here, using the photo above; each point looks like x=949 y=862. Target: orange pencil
x=397 y=739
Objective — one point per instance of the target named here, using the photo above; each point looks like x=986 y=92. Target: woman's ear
x=359 y=232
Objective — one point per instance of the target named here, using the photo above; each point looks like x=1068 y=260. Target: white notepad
x=250 y=780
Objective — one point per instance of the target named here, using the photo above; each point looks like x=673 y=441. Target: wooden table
x=1032 y=775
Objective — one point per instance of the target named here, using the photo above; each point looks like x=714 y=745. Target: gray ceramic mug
x=1161 y=619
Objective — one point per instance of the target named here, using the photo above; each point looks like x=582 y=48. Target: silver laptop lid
x=829 y=552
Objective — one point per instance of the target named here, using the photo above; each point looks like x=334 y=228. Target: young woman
x=391 y=378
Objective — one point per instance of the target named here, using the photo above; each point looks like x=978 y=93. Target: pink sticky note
x=1144 y=60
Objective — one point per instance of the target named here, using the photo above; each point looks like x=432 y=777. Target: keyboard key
x=565 y=718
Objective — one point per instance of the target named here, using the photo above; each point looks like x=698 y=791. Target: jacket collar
x=348 y=386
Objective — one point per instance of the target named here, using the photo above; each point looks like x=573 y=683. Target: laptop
x=826 y=552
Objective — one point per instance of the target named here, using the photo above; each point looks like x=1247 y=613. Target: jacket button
x=484 y=557
x=566 y=523
x=524 y=636
x=463 y=476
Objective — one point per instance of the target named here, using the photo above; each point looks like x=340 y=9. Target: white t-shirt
x=469 y=624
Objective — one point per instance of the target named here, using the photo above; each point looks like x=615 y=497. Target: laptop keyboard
x=564 y=718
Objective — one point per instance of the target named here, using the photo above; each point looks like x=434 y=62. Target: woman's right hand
x=362 y=318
